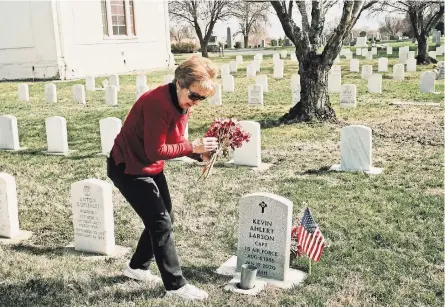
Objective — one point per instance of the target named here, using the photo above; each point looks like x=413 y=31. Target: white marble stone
x=250 y=70
x=141 y=90
x=92 y=207
x=9 y=133
x=255 y=94
x=168 y=78
x=439 y=50
x=374 y=50
x=23 y=92
x=225 y=70
x=90 y=83
x=51 y=93
x=362 y=41
x=275 y=58
x=56 y=135
x=114 y=80
x=239 y=59
x=79 y=94
x=348 y=96
x=358 y=51
x=382 y=64
x=389 y=50
x=293 y=57
x=369 y=56
x=263 y=81
x=295 y=83
x=296 y=97
x=233 y=66
x=141 y=80
x=399 y=72
x=411 y=65
x=427 y=82
x=257 y=65
x=365 y=52
x=354 y=65
x=411 y=54
x=337 y=60
x=109 y=128
x=432 y=54
x=336 y=69
x=265 y=222
x=366 y=71
x=216 y=99
x=250 y=153
x=356 y=150
x=403 y=57
x=334 y=82
x=284 y=54
x=111 y=95
x=440 y=70
x=9 y=216
x=278 y=69
x=349 y=56
x=228 y=84
x=375 y=83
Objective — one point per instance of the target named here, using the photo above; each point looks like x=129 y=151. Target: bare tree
x=424 y=16
x=180 y=32
x=251 y=17
x=202 y=15
x=392 y=25
x=313 y=65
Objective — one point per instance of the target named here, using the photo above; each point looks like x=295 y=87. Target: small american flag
x=310 y=238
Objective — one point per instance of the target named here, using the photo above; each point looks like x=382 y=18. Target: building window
x=118 y=17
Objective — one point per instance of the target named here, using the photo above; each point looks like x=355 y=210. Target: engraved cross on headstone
x=262 y=205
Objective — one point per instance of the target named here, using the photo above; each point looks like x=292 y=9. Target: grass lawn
x=385 y=232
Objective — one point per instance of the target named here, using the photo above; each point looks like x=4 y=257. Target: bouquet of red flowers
x=230 y=136
x=295 y=248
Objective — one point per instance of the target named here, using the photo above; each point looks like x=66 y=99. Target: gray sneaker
x=188 y=292
x=143 y=275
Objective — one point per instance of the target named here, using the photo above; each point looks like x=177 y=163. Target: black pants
x=150 y=198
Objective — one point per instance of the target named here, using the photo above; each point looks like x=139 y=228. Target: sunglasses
x=195 y=96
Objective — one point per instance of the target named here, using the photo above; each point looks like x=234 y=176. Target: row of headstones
x=56 y=134
x=251 y=69
x=365 y=52
x=111 y=87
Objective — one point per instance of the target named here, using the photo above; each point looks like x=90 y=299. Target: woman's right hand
x=203 y=145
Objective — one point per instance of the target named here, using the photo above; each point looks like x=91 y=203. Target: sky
x=275 y=30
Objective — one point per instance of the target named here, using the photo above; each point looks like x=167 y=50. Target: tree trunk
x=246 y=41
x=204 y=44
x=422 y=46
x=314 y=103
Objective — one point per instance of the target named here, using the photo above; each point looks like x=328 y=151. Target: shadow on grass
x=204 y=274
x=319 y=171
x=37 y=250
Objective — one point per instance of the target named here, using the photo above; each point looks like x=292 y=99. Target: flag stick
x=310 y=266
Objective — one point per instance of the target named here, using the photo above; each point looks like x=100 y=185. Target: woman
x=154 y=132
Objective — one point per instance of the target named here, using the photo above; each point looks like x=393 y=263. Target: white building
x=71 y=39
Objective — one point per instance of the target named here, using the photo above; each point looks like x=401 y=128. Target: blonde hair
x=197 y=70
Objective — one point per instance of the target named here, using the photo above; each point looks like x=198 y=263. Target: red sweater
x=152 y=132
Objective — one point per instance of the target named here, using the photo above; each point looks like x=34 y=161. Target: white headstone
x=432 y=54
x=295 y=83
x=114 y=80
x=275 y=57
x=90 y=83
x=439 y=50
x=140 y=90
x=9 y=216
x=403 y=57
x=262 y=80
x=354 y=65
x=24 y=92
x=382 y=65
x=216 y=99
x=366 y=71
x=441 y=70
x=374 y=50
x=225 y=70
x=348 y=96
x=284 y=54
x=109 y=128
x=265 y=222
x=56 y=135
x=141 y=80
x=233 y=66
x=369 y=56
x=255 y=94
x=411 y=54
x=239 y=59
x=349 y=56
x=356 y=148
x=337 y=60
x=296 y=97
x=93 y=220
x=375 y=83
x=168 y=78
x=51 y=92
x=358 y=51
x=411 y=65
x=361 y=41
x=278 y=69
x=257 y=65
x=250 y=153
x=336 y=69
x=365 y=52
x=334 y=83
x=111 y=95
x=228 y=83
x=427 y=82
x=389 y=50
x=9 y=133
x=293 y=57
x=79 y=93
x=399 y=72
x=251 y=71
